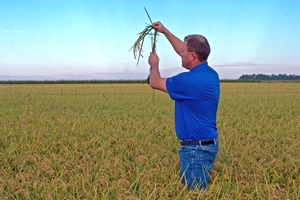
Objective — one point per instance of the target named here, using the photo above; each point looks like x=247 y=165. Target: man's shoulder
x=181 y=75
x=182 y=79
x=204 y=69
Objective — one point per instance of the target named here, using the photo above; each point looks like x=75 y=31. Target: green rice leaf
x=148 y=15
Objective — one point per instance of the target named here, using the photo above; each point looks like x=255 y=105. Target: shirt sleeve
x=179 y=87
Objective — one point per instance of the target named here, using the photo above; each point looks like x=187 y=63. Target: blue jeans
x=195 y=164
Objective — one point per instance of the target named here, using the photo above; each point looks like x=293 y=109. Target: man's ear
x=193 y=56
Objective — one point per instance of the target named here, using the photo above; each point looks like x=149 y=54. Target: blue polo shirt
x=196 y=94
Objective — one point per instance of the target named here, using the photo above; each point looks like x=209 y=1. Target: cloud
x=236 y=64
x=252 y=64
x=233 y=70
x=12 y=31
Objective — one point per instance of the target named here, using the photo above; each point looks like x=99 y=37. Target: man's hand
x=156 y=82
x=153 y=60
x=159 y=27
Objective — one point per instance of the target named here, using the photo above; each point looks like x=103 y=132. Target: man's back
x=196 y=94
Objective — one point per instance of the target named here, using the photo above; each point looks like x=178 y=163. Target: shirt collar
x=199 y=66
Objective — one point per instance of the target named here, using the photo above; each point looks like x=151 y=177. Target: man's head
x=195 y=50
x=199 y=45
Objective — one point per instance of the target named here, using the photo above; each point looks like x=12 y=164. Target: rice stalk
x=138 y=45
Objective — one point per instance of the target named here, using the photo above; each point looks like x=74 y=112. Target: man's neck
x=198 y=63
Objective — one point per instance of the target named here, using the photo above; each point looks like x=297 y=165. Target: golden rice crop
x=110 y=141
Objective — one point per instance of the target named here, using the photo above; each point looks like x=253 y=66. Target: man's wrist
x=154 y=66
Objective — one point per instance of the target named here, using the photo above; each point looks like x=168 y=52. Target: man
x=196 y=95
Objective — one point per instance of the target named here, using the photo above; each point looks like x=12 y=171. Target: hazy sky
x=91 y=38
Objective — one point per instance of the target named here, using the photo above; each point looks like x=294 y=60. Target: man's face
x=185 y=56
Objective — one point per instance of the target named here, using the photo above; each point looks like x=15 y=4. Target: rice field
x=117 y=141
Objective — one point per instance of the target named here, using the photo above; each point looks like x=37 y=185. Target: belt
x=196 y=142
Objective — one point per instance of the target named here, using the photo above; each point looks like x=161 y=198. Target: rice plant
x=138 y=45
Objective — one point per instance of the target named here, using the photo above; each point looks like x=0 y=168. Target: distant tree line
x=101 y=81
x=243 y=78
x=273 y=77
x=69 y=81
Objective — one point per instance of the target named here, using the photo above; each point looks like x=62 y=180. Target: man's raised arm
x=175 y=42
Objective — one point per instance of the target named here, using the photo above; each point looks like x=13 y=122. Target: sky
x=90 y=39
